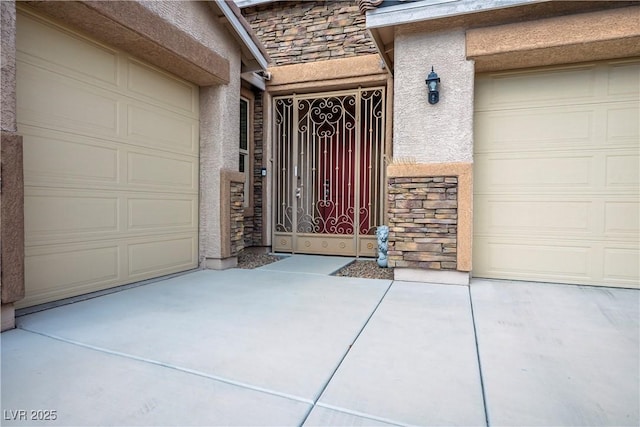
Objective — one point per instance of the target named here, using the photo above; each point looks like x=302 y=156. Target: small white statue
x=382 y=233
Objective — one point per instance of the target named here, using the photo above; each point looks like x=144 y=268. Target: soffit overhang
x=385 y=21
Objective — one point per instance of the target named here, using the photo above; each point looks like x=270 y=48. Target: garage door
x=556 y=181
x=110 y=164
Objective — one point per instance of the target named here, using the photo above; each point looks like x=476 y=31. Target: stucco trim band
x=133 y=28
x=327 y=75
x=11 y=218
x=464 y=172
x=593 y=36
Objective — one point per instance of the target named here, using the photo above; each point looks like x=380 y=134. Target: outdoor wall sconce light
x=433 y=81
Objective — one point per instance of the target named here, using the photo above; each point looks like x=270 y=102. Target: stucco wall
x=437 y=133
x=152 y=35
x=8 y=66
x=219 y=128
x=196 y=19
x=12 y=194
x=594 y=36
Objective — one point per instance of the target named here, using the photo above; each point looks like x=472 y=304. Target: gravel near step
x=365 y=269
x=250 y=260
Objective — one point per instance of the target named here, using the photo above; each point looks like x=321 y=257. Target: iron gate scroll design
x=329 y=161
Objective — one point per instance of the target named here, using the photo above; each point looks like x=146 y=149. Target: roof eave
x=426 y=10
x=254 y=56
x=250 y=3
x=378 y=41
x=381 y=22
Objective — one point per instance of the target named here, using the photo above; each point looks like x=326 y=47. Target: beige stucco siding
x=559 y=40
x=196 y=19
x=8 y=66
x=219 y=125
x=433 y=133
x=152 y=36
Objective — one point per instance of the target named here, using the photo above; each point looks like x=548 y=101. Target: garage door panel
x=622 y=124
x=537 y=216
x=154 y=128
x=623 y=80
x=581 y=170
x=64 y=159
x=162 y=214
x=62 y=213
x=621 y=265
x=111 y=160
x=537 y=260
x=559 y=127
x=518 y=130
x=623 y=218
x=622 y=170
x=558 y=201
x=72 y=54
x=161 y=172
x=554 y=87
x=49 y=156
x=573 y=217
x=162 y=255
x=577 y=262
x=55 y=273
x=151 y=83
x=52 y=101
x=509 y=172
x=64 y=216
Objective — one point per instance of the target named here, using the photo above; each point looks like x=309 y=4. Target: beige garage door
x=556 y=182
x=110 y=164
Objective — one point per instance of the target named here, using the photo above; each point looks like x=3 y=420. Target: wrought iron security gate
x=329 y=184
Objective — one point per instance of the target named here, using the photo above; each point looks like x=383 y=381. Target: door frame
x=287 y=237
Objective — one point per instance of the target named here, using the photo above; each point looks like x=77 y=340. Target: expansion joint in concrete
x=174 y=367
x=344 y=356
x=475 y=337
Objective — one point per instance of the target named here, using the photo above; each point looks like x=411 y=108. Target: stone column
x=430 y=215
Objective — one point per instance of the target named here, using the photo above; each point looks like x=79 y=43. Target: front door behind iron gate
x=329 y=184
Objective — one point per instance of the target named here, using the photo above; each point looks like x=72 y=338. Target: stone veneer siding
x=258 y=164
x=297 y=32
x=253 y=225
x=423 y=222
x=237 y=217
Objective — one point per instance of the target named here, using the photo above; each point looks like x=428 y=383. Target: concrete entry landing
x=313 y=264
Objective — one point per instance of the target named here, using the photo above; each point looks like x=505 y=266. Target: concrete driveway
x=290 y=345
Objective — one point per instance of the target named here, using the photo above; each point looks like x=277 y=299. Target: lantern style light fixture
x=433 y=81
